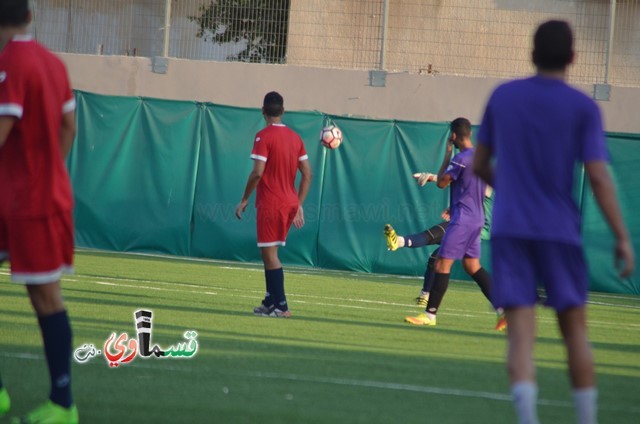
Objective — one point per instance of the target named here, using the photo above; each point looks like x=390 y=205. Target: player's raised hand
x=242 y=206
x=446 y=215
x=423 y=178
x=625 y=261
x=298 y=221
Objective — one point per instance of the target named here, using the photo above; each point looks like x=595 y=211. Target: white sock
x=586 y=403
x=525 y=398
x=432 y=317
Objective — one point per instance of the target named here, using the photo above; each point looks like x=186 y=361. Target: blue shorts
x=461 y=241
x=519 y=265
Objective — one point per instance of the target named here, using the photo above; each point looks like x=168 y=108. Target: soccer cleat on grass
x=5 y=402
x=421 y=319
x=391 y=237
x=262 y=309
x=501 y=324
x=271 y=311
x=422 y=300
x=50 y=413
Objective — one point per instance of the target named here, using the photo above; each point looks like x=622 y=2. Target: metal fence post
x=603 y=91
x=160 y=64
x=167 y=28
x=383 y=44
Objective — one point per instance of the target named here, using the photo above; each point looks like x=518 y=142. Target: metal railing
x=482 y=38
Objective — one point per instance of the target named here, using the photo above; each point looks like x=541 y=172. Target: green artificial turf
x=345 y=356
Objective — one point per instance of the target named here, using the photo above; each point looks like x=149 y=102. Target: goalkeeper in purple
x=538 y=129
x=466 y=209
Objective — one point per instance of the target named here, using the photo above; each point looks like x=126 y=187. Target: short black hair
x=553 y=46
x=461 y=127
x=273 y=104
x=14 y=13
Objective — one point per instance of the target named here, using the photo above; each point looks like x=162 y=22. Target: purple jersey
x=467 y=191
x=539 y=128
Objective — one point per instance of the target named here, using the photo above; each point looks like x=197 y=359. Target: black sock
x=275 y=277
x=440 y=286
x=1 y=385
x=415 y=240
x=483 y=279
x=56 y=335
x=269 y=296
x=430 y=273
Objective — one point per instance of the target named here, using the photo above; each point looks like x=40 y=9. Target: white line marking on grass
x=104 y=283
x=450 y=311
x=340 y=382
x=615 y=305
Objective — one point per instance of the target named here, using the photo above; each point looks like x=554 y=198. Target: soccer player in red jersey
x=37 y=127
x=278 y=153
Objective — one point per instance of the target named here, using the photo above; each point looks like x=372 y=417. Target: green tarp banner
x=165 y=176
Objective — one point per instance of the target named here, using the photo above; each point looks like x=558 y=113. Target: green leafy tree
x=262 y=23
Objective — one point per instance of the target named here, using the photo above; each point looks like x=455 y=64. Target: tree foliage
x=262 y=23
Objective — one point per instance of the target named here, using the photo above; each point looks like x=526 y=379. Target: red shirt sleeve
x=12 y=90
x=302 y=152
x=260 y=148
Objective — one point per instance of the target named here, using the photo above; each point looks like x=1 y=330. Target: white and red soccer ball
x=331 y=137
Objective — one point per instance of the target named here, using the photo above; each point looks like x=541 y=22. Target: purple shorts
x=519 y=265
x=461 y=241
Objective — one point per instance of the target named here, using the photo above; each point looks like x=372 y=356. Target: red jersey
x=34 y=88
x=281 y=148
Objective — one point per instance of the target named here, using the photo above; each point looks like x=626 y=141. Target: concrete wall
x=341 y=92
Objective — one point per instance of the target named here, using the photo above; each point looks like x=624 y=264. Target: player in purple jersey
x=537 y=129
x=462 y=238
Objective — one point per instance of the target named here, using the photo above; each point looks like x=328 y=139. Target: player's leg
x=472 y=266
x=440 y=286
x=427 y=237
x=273 y=226
x=5 y=401
x=520 y=365
x=268 y=241
x=580 y=360
x=453 y=246
x=274 y=275
x=41 y=250
x=515 y=289
x=56 y=335
x=566 y=281
x=429 y=276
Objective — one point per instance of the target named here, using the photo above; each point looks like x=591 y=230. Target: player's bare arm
x=303 y=190
x=605 y=194
x=6 y=123
x=482 y=164
x=252 y=183
x=445 y=179
x=67 y=132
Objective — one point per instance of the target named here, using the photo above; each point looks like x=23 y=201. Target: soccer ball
x=331 y=137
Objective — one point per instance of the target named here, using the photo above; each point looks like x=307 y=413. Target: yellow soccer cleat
x=422 y=300
x=50 y=413
x=501 y=324
x=421 y=319
x=391 y=236
x=5 y=402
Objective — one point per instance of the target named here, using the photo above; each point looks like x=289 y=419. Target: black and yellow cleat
x=391 y=237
